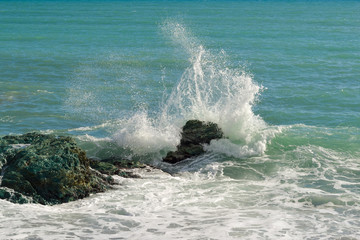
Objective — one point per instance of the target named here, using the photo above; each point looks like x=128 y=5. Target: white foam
x=91 y=128
x=189 y=206
x=19 y=146
x=89 y=138
x=44 y=91
x=208 y=90
x=144 y=135
x=7 y=119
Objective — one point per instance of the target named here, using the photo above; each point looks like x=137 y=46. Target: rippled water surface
x=282 y=79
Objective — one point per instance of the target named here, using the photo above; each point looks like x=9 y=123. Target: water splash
x=143 y=134
x=208 y=90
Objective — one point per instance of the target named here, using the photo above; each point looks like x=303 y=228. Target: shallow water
x=282 y=79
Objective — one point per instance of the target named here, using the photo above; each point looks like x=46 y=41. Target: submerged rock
x=47 y=169
x=194 y=134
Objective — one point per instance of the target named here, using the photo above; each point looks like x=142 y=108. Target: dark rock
x=194 y=134
x=123 y=163
x=116 y=166
x=12 y=196
x=103 y=167
x=47 y=168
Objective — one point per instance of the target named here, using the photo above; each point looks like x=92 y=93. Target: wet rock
x=12 y=196
x=194 y=135
x=103 y=167
x=116 y=166
x=48 y=169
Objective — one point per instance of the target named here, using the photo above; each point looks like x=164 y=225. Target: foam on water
x=299 y=181
x=203 y=201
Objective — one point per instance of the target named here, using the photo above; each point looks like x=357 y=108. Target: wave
x=209 y=89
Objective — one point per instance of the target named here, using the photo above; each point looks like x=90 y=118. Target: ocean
x=281 y=79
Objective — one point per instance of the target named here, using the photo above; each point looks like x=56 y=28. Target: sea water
x=281 y=78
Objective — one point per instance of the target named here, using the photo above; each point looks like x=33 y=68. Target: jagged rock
x=48 y=169
x=12 y=196
x=194 y=134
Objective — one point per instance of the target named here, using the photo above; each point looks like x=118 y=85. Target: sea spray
x=305 y=185
x=145 y=135
x=208 y=90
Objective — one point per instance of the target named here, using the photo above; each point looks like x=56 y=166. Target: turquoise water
x=281 y=78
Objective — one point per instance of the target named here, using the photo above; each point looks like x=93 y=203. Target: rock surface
x=116 y=166
x=46 y=169
x=194 y=134
x=50 y=169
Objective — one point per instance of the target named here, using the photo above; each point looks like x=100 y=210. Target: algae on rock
x=116 y=166
x=48 y=169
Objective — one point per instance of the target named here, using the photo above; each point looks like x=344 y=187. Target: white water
x=201 y=204
x=300 y=191
x=209 y=91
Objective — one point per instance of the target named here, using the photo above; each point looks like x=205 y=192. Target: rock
x=47 y=169
x=116 y=166
x=123 y=163
x=194 y=134
x=103 y=167
x=12 y=196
